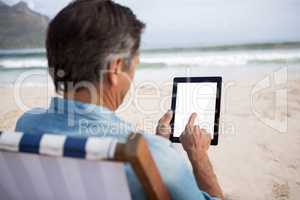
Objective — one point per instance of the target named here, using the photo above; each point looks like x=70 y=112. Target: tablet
x=201 y=95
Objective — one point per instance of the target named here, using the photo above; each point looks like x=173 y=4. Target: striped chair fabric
x=40 y=170
x=91 y=148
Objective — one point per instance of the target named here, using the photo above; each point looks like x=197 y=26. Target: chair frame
x=136 y=152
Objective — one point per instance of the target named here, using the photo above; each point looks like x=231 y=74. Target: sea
x=29 y=66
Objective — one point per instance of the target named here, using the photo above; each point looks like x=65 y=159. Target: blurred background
x=253 y=44
x=179 y=33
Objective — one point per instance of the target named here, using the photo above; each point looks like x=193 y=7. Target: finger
x=181 y=136
x=204 y=131
x=164 y=128
x=166 y=118
x=192 y=119
x=197 y=129
x=206 y=134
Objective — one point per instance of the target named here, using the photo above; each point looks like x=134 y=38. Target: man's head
x=94 y=42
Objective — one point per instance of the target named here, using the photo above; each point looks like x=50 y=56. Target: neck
x=106 y=99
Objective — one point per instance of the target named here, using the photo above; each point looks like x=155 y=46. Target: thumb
x=167 y=117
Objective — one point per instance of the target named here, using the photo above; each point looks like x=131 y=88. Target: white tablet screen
x=199 y=98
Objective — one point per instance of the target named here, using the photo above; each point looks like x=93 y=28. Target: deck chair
x=59 y=167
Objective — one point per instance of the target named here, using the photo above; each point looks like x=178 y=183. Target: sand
x=253 y=159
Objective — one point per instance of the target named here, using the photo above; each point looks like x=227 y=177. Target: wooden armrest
x=137 y=153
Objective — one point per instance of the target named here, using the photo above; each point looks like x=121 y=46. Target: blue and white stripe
x=91 y=148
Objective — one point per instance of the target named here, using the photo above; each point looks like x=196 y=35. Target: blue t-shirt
x=78 y=119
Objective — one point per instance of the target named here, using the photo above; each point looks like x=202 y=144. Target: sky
x=178 y=23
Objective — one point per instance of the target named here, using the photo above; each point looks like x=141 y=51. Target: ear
x=114 y=70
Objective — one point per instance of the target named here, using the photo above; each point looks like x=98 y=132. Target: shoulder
x=27 y=119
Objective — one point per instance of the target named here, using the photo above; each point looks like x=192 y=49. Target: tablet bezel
x=215 y=79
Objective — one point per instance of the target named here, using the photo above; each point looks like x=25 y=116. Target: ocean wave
x=161 y=59
x=276 y=61
x=223 y=59
x=23 y=63
x=4 y=69
x=15 y=53
x=233 y=47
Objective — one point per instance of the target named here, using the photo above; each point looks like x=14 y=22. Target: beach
x=258 y=152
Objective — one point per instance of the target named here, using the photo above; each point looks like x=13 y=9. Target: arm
x=195 y=142
x=175 y=172
x=205 y=176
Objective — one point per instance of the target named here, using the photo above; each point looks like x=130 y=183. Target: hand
x=194 y=140
x=164 y=128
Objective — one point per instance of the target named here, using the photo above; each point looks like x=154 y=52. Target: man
x=93 y=50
